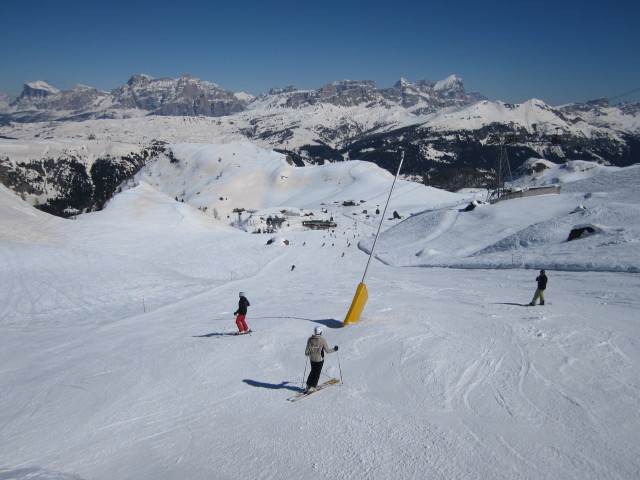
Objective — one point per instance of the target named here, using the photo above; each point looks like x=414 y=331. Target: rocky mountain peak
x=139 y=79
x=425 y=96
x=36 y=95
x=279 y=91
x=38 y=89
x=450 y=86
x=402 y=83
x=344 y=85
x=599 y=102
x=425 y=82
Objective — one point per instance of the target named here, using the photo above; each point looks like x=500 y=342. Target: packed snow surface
x=114 y=365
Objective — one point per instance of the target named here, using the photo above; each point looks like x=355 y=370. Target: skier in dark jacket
x=316 y=348
x=542 y=285
x=241 y=313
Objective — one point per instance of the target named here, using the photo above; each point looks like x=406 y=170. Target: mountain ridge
x=450 y=138
x=144 y=95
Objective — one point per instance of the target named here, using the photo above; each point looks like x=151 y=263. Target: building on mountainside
x=528 y=192
x=319 y=224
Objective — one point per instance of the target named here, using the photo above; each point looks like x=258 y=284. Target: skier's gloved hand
x=235 y=313
x=336 y=348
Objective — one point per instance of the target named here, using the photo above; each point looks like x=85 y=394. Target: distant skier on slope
x=316 y=348
x=542 y=285
x=241 y=313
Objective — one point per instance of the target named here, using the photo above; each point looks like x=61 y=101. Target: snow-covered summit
x=42 y=86
x=403 y=82
x=452 y=81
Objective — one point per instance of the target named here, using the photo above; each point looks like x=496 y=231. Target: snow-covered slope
x=22 y=223
x=242 y=176
x=531 y=232
x=114 y=366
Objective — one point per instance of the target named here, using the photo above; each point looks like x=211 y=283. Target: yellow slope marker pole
x=357 y=305
x=362 y=295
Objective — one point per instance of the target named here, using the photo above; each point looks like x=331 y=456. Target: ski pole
x=340 y=368
x=305 y=371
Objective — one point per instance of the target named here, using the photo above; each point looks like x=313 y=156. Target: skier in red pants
x=241 y=314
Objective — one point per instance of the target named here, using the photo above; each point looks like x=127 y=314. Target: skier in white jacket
x=316 y=348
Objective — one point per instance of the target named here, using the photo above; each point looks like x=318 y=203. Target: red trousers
x=242 y=325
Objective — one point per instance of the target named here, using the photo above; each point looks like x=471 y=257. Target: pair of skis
x=322 y=386
x=235 y=334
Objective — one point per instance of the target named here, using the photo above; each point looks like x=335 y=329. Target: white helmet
x=317 y=331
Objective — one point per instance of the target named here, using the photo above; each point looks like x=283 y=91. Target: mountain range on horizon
x=188 y=96
x=451 y=138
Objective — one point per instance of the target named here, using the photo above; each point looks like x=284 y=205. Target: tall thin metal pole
x=383 y=215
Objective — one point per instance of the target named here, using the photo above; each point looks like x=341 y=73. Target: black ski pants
x=314 y=375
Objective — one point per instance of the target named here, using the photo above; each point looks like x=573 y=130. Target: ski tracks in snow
x=498 y=369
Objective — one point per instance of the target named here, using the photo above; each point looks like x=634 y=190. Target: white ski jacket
x=316 y=348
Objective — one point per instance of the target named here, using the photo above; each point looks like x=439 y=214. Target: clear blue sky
x=557 y=51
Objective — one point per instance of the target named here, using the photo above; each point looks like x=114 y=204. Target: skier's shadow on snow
x=514 y=304
x=214 y=334
x=327 y=322
x=273 y=386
